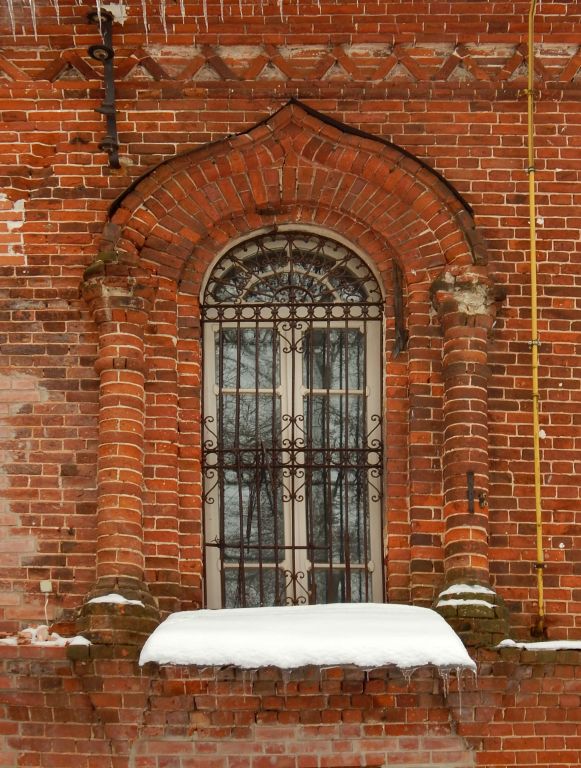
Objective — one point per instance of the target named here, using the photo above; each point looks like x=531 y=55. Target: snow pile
x=116 y=599
x=78 y=640
x=365 y=634
x=462 y=589
x=459 y=601
x=547 y=645
x=39 y=635
x=477 y=590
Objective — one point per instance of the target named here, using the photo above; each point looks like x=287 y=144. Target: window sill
x=367 y=635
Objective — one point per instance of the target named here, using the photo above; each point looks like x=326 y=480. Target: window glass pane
x=246 y=358
x=335 y=421
x=251 y=588
x=249 y=420
x=337 y=515
x=253 y=515
x=334 y=358
x=336 y=586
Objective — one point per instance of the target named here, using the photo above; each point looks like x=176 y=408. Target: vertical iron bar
x=260 y=458
x=347 y=454
x=105 y=53
x=401 y=333
x=293 y=430
x=363 y=481
x=275 y=448
x=310 y=471
x=220 y=460
x=470 y=490
x=325 y=449
x=239 y=473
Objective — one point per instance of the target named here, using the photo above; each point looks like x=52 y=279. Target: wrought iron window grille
x=293 y=443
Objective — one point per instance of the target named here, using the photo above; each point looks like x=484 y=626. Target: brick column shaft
x=466 y=302
x=120 y=297
x=465 y=446
x=120 y=452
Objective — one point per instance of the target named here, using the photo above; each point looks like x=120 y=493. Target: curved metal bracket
x=104 y=53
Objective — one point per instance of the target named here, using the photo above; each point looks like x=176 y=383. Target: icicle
x=319 y=7
x=240 y=7
x=407 y=674
x=286 y=676
x=221 y=10
x=475 y=676
x=445 y=677
x=459 y=671
x=32 y=4
x=183 y=10
x=12 y=19
x=248 y=679
x=145 y=23
x=205 y=12
x=162 y=12
x=57 y=10
x=99 y=19
x=281 y=9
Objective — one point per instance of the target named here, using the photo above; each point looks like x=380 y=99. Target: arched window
x=292 y=424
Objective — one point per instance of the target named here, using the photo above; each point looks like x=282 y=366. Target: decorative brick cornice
x=471 y=63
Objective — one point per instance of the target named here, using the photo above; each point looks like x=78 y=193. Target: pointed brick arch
x=296 y=166
x=295 y=169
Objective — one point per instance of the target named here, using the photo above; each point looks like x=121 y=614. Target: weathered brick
x=396 y=73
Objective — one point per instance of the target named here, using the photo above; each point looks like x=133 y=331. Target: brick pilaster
x=466 y=302
x=120 y=297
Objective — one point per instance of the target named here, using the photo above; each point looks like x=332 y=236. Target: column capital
x=118 y=292
x=466 y=296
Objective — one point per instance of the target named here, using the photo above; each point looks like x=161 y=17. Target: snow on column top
x=364 y=634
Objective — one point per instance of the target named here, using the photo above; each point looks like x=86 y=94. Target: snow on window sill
x=367 y=635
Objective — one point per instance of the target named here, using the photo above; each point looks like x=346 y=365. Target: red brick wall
x=524 y=709
x=442 y=80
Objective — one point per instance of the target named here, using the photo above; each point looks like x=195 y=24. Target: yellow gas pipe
x=539 y=628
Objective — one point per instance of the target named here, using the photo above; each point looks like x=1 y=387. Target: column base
x=475 y=612
x=119 y=610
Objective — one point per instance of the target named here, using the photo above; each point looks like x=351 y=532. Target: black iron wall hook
x=104 y=52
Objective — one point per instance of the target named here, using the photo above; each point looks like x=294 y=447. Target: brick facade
x=399 y=130
x=524 y=709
